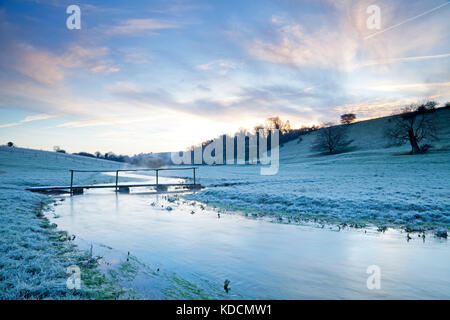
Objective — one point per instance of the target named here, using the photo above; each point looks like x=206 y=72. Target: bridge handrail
x=132 y=170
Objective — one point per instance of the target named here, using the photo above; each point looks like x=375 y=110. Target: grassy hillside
x=370 y=136
x=371 y=185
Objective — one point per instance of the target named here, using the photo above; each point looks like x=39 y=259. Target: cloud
x=375 y=108
x=247 y=102
x=202 y=87
x=49 y=68
x=136 y=56
x=339 y=41
x=28 y=119
x=403 y=95
x=7 y=125
x=408 y=20
x=297 y=47
x=178 y=8
x=90 y=58
x=300 y=65
x=38 y=65
x=412 y=87
x=30 y=95
x=138 y=26
x=105 y=121
x=403 y=59
x=218 y=63
x=220 y=67
x=38 y=117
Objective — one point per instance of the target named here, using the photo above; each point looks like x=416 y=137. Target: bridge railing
x=156 y=170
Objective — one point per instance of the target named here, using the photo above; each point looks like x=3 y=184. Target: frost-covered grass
x=33 y=254
x=372 y=184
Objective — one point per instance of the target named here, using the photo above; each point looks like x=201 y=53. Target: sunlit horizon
x=161 y=76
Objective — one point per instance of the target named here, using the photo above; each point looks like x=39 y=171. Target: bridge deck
x=99 y=186
x=119 y=187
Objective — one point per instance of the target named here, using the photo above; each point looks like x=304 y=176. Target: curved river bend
x=190 y=252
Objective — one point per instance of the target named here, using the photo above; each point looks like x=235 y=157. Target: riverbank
x=361 y=189
x=171 y=248
x=188 y=250
x=373 y=184
x=34 y=255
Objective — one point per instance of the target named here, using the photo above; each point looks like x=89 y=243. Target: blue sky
x=142 y=76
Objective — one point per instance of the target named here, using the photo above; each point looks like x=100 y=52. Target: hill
x=372 y=184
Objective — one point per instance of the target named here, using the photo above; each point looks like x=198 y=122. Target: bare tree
x=348 y=118
x=414 y=125
x=110 y=155
x=331 y=138
x=58 y=149
x=277 y=123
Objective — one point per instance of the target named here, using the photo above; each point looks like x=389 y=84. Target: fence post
x=71 y=182
x=157 y=177
x=194 y=175
x=117 y=178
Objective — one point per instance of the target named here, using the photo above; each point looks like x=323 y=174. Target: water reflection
x=262 y=259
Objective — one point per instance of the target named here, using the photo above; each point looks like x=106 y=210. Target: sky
x=156 y=76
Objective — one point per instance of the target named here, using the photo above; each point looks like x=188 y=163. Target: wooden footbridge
x=125 y=188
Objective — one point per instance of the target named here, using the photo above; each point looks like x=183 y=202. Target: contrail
x=405 y=21
x=404 y=59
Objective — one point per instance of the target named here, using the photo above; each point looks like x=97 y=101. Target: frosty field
x=34 y=257
x=373 y=184
x=252 y=152
x=261 y=232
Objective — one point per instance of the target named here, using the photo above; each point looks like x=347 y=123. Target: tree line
x=414 y=124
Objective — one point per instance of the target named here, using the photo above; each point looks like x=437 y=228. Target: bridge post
x=117 y=179
x=71 y=182
x=194 y=174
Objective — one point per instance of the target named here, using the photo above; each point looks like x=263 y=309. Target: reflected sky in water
x=261 y=259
